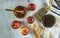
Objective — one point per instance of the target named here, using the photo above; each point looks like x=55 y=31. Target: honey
x=19 y=11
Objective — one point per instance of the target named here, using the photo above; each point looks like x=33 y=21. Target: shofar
x=36 y=33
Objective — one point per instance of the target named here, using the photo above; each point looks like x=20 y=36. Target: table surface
x=6 y=17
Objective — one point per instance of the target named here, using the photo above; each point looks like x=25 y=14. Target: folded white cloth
x=55 y=30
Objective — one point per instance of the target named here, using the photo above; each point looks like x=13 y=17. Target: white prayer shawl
x=55 y=31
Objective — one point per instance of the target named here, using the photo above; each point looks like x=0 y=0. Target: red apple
x=32 y=6
x=25 y=30
x=30 y=19
x=16 y=24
